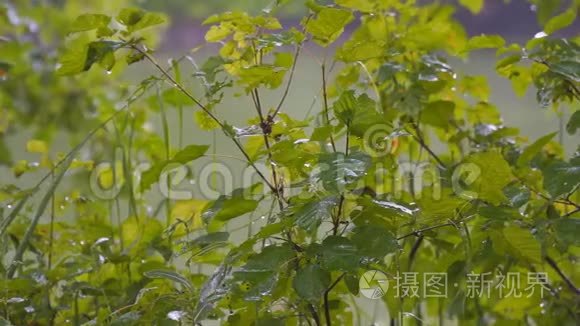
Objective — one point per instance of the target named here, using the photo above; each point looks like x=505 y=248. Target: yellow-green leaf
x=485 y=42
x=473 y=5
x=328 y=25
x=36 y=146
x=561 y=21
x=523 y=243
x=495 y=173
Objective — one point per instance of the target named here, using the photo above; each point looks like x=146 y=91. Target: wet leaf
x=494 y=174
x=560 y=178
x=170 y=275
x=523 y=243
x=574 y=123
x=534 y=149
x=473 y=5
x=485 y=42
x=89 y=22
x=561 y=21
x=338 y=253
x=374 y=241
x=567 y=230
x=328 y=25
x=137 y=19
x=311 y=215
x=311 y=282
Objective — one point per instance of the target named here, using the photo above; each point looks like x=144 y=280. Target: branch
x=421 y=140
x=291 y=77
x=566 y=279
x=326 y=306
x=325 y=96
x=418 y=233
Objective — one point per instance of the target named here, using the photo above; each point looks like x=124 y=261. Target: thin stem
x=325 y=97
x=326 y=305
x=564 y=277
x=419 y=137
x=418 y=233
x=51 y=239
x=291 y=77
x=314 y=314
x=414 y=251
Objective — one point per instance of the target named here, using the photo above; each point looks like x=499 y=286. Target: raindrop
x=29 y=309
x=108 y=72
x=9 y=206
x=541 y=34
x=176 y=315
x=16 y=300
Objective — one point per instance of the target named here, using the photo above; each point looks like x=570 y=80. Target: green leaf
x=574 y=123
x=5 y=154
x=128 y=319
x=361 y=5
x=560 y=178
x=311 y=282
x=170 y=275
x=438 y=113
x=485 y=42
x=189 y=153
x=523 y=243
x=374 y=241
x=141 y=234
x=81 y=59
x=263 y=265
x=473 y=5
x=311 y=215
x=568 y=69
x=225 y=209
x=338 y=253
x=567 y=231
x=136 y=19
x=546 y=9
x=89 y=22
x=494 y=174
x=352 y=283
x=561 y=21
x=339 y=171
x=328 y=25
x=267 y=75
x=186 y=155
x=476 y=86
x=176 y=98
x=321 y=133
x=359 y=113
x=534 y=149
x=508 y=61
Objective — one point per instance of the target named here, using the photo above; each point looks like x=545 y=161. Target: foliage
x=340 y=193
